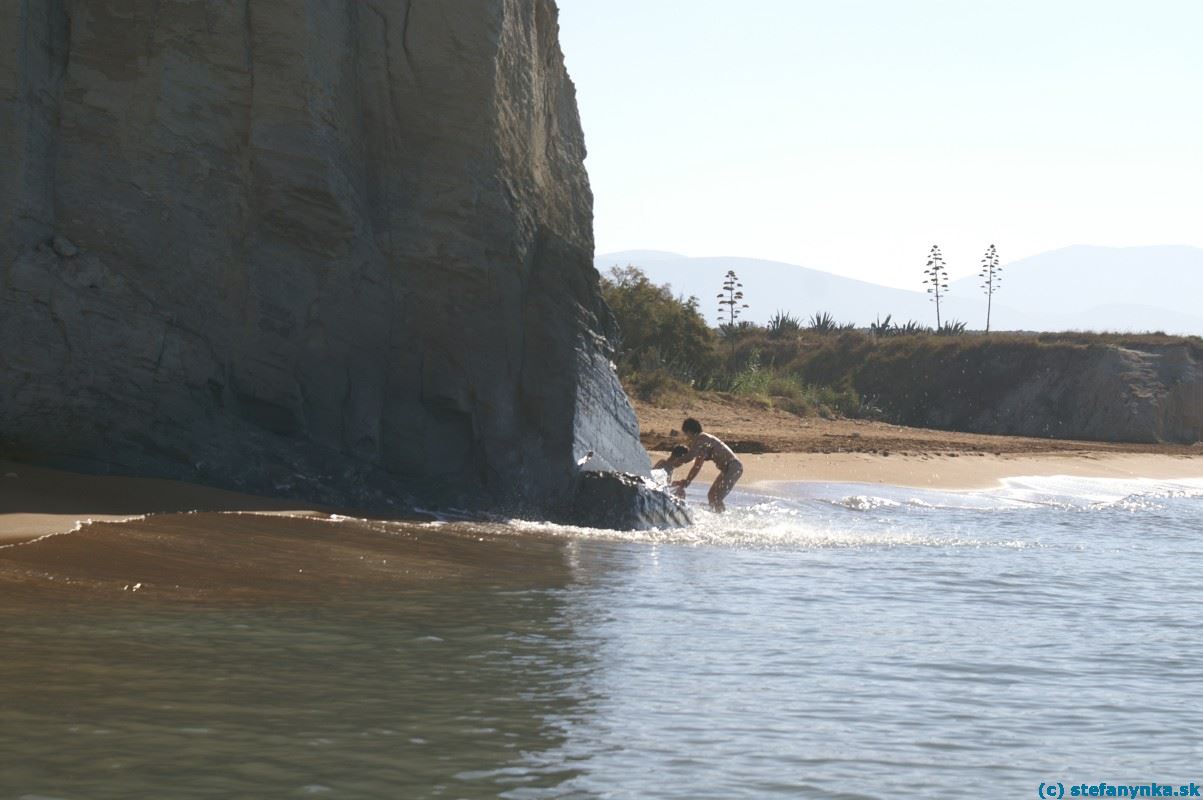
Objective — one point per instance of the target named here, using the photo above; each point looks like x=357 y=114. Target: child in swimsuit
x=678 y=457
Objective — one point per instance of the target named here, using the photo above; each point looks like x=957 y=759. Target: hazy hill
x=1113 y=288
x=1075 y=288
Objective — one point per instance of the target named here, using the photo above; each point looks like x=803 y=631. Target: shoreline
x=36 y=501
x=40 y=501
x=960 y=471
x=775 y=445
x=68 y=535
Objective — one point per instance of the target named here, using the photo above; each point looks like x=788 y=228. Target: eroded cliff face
x=1137 y=392
x=337 y=249
x=1106 y=393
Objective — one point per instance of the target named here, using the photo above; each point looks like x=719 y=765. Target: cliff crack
x=405 y=38
x=388 y=47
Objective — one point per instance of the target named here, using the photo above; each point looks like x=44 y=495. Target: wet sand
x=35 y=501
x=75 y=535
x=254 y=557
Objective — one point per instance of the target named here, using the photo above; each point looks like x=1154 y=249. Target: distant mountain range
x=1074 y=288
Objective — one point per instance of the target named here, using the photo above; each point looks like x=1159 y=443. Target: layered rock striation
x=336 y=250
x=1107 y=393
x=1130 y=392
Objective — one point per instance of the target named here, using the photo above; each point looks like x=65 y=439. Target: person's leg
x=723 y=485
x=716 y=494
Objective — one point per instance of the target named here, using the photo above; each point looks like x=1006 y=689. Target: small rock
x=64 y=246
x=624 y=502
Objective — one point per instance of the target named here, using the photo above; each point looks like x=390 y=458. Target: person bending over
x=678 y=457
x=705 y=447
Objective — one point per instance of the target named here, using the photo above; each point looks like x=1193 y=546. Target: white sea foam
x=811 y=515
x=1097 y=493
x=757 y=523
x=818 y=516
x=80 y=524
x=864 y=502
x=1058 y=491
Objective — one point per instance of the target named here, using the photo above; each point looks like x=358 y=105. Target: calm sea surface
x=820 y=641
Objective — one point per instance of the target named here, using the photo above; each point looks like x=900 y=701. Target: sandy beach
x=777 y=446
x=960 y=470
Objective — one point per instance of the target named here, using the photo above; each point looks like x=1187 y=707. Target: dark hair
x=691 y=425
x=680 y=451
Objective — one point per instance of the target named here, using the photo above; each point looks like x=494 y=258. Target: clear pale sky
x=851 y=135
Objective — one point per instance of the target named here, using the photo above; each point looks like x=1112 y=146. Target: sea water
x=819 y=640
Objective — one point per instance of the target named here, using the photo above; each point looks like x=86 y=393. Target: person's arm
x=693 y=472
x=661 y=464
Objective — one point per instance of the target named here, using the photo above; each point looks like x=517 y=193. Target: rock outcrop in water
x=336 y=250
x=621 y=501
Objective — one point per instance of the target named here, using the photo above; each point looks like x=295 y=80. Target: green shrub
x=783 y=324
x=823 y=323
x=659 y=331
x=952 y=327
x=897 y=372
x=657 y=387
x=753 y=379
